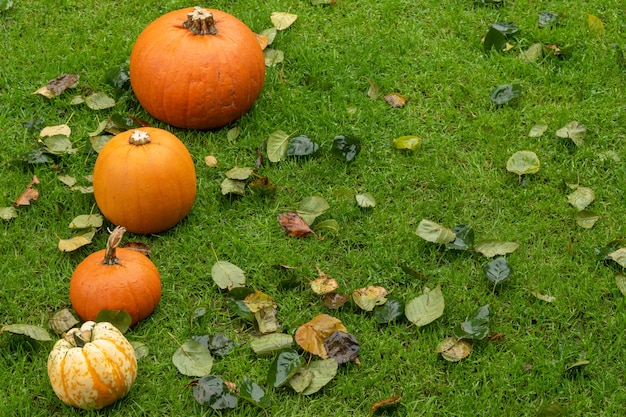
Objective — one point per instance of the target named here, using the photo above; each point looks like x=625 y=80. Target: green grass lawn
x=428 y=51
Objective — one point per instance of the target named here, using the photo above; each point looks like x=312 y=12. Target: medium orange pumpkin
x=92 y=367
x=197 y=68
x=115 y=279
x=144 y=180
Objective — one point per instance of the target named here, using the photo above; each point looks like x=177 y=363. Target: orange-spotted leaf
x=323 y=284
x=311 y=336
x=396 y=100
x=29 y=194
x=259 y=301
x=294 y=225
x=369 y=297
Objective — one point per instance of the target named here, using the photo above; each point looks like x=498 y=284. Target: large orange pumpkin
x=144 y=180
x=197 y=68
x=92 y=367
x=115 y=279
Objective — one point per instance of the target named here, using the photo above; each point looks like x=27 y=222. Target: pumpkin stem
x=112 y=243
x=139 y=137
x=79 y=341
x=200 y=22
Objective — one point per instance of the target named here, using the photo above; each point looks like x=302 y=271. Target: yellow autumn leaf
x=282 y=20
x=596 y=27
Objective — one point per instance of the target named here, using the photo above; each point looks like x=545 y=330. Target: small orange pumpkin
x=92 y=367
x=144 y=180
x=115 y=279
x=197 y=68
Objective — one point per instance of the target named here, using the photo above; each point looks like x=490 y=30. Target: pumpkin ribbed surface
x=145 y=187
x=95 y=374
x=197 y=80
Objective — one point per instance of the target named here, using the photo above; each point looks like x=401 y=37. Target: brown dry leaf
x=369 y=297
x=323 y=284
x=396 y=100
x=342 y=347
x=210 y=161
x=294 y=225
x=310 y=336
x=58 y=85
x=386 y=404
x=259 y=301
x=334 y=300
x=29 y=194
x=62 y=321
x=266 y=320
x=263 y=41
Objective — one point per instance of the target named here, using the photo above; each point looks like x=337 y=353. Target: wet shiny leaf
x=285 y=366
x=346 y=147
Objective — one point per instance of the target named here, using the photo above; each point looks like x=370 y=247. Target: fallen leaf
x=34 y=332
x=335 y=300
x=282 y=20
x=620 y=281
x=543 y=297
x=342 y=346
x=258 y=301
x=63 y=130
x=210 y=161
x=294 y=225
x=263 y=41
x=581 y=197
x=369 y=297
x=323 y=372
x=311 y=208
x=193 y=359
x=240 y=174
x=373 y=91
x=230 y=186
x=8 y=213
x=58 y=85
x=453 y=349
x=276 y=145
x=62 y=321
x=323 y=284
x=411 y=143
x=574 y=131
x=270 y=34
x=84 y=237
x=619 y=256
x=396 y=100
x=365 y=200
x=273 y=57
x=596 y=27
x=435 y=233
x=268 y=344
x=523 y=162
x=29 y=194
x=538 y=130
x=99 y=101
x=85 y=221
x=67 y=180
x=386 y=404
x=493 y=247
x=426 y=308
x=533 y=53
x=227 y=275
x=311 y=335
x=266 y=320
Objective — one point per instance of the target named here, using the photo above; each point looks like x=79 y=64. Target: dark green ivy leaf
x=602 y=253
x=211 y=391
x=392 y=310
x=218 y=343
x=34 y=124
x=240 y=309
x=497 y=270
x=346 y=147
x=504 y=93
x=494 y=40
x=285 y=366
x=253 y=393
x=548 y=19
x=118 y=78
x=118 y=318
x=301 y=146
x=477 y=328
x=35 y=156
x=464 y=238
x=123 y=122
x=506 y=28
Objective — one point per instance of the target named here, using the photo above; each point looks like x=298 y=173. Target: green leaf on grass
x=311 y=208
x=323 y=372
x=8 y=213
x=121 y=319
x=392 y=310
x=494 y=40
x=548 y=19
x=270 y=343
x=302 y=146
x=277 y=144
x=58 y=145
x=227 y=275
x=506 y=28
x=602 y=253
x=118 y=77
x=426 y=308
x=193 y=359
x=273 y=57
x=475 y=328
x=286 y=364
x=240 y=174
x=464 y=238
x=619 y=256
x=230 y=186
x=211 y=391
x=504 y=93
x=523 y=162
x=411 y=143
x=253 y=393
x=346 y=147
x=453 y=349
x=329 y=225
x=493 y=247
x=86 y=220
x=435 y=233
x=538 y=130
x=365 y=200
x=581 y=197
x=586 y=219
x=596 y=27
x=233 y=134
x=99 y=101
x=34 y=332
x=574 y=131
x=301 y=380
x=498 y=270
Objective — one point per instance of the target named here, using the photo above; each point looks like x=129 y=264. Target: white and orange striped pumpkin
x=93 y=366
